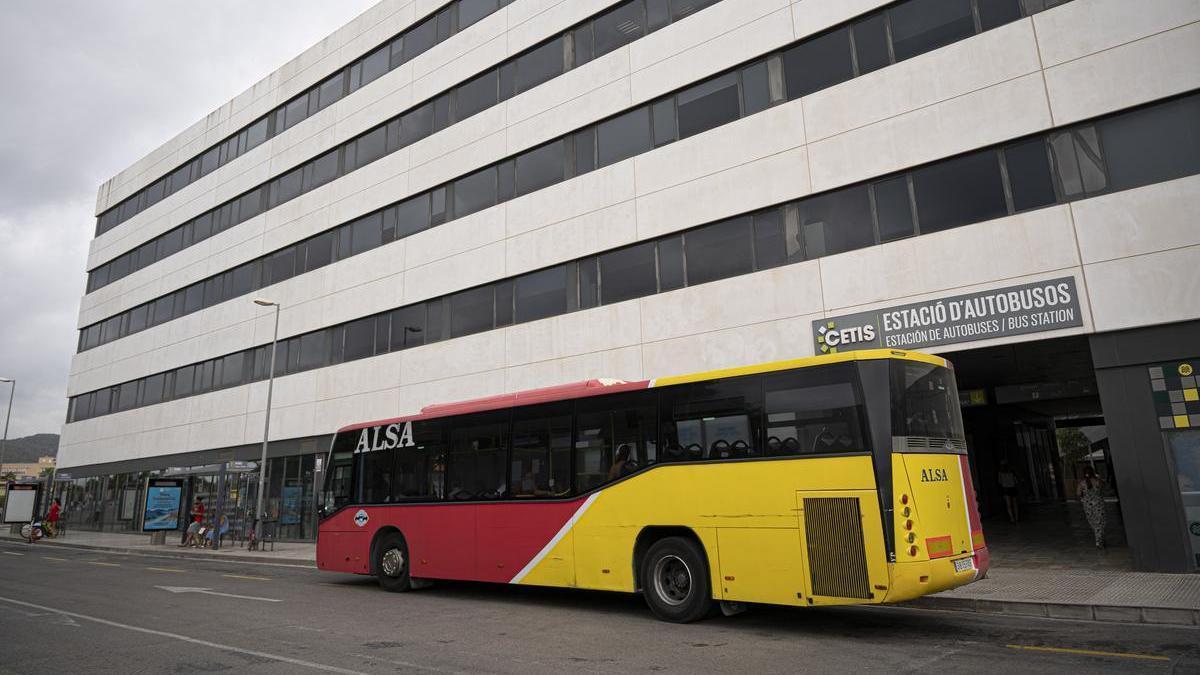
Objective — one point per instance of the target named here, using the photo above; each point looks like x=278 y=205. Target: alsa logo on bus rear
x=934 y=476
x=830 y=337
x=392 y=436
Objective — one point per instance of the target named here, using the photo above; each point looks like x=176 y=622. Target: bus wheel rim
x=393 y=562
x=672 y=580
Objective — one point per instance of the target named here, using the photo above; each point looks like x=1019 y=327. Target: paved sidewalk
x=290 y=553
x=1101 y=595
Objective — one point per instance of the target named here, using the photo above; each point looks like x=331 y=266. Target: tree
x=1073 y=445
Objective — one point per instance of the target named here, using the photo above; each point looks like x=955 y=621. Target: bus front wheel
x=675 y=580
x=391 y=564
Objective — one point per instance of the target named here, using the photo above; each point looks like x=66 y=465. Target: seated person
x=622 y=464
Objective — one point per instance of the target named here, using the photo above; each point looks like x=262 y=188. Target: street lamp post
x=12 y=392
x=262 y=467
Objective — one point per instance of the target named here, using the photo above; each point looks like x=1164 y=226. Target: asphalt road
x=73 y=610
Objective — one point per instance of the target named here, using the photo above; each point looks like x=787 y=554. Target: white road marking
x=209 y=591
x=184 y=638
x=11 y=553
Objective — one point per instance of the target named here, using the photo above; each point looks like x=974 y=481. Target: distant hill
x=29 y=448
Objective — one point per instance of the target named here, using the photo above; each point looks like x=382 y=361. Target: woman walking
x=1091 y=493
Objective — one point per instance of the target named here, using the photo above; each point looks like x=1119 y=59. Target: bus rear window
x=925 y=401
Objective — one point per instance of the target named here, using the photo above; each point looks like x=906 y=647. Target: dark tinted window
x=959 y=191
x=330 y=90
x=993 y=13
x=170 y=243
x=470 y=11
x=287 y=187
x=471 y=311
x=295 y=112
x=664 y=122
x=321 y=170
x=708 y=105
x=418 y=40
x=540 y=167
x=619 y=26
x=1152 y=145
x=318 y=251
x=375 y=65
x=314 y=350
x=589 y=284
x=477 y=94
x=870 y=43
x=756 y=92
x=478 y=454
x=280 y=266
x=360 y=339
x=421 y=469
x=1028 y=167
x=770 y=243
x=670 y=264
x=628 y=273
x=717 y=419
x=417 y=124
x=1077 y=162
x=615 y=436
x=368 y=148
x=137 y=318
x=408 y=327
x=231 y=369
x=376 y=475
x=541 y=294
x=585 y=151
x=893 y=209
x=541 y=451
x=127 y=396
x=924 y=401
x=818 y=63
x=719 y=250
x=475 y=192
x=682 y=8
x=152 y=389
x=919 y=26
x=813 y=411
x=539 y=65
x=836 y=222
x=623 y=136
x=412 y=216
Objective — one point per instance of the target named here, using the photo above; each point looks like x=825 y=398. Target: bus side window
x=813 y=411
x=712 y=420
x=478 y=452
x=605 y=425
x=376 y=469
x=420 y=468
x=541 y=451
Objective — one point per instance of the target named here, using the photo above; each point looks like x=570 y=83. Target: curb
x=1171 y=616
x=167 y=553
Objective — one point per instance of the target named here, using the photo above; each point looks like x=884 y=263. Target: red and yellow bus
x=837 y=479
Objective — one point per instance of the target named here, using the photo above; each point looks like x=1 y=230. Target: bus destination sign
x=1013 y=310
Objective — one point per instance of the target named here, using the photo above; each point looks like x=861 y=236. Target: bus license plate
x=964 y=565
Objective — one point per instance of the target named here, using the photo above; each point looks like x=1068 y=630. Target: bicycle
x=32 y=531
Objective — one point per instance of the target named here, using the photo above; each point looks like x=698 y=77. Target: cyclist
x=52 y=518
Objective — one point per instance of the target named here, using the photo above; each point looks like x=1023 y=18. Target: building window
x=958 y=191
x=628 y=273
x=1028 y=167
x=471 y=311
x=893 y=208
x=623 y=136
x=618 y=27
x=541 y=294
x=719 y=250
x=1152 y=145
x=836 y=222
x=539 y=65
x=475 y=192
x=818 y=63
x=709 y=104
x=870 y=43
x=920 y=26
x=540 y=167
x=476 y=95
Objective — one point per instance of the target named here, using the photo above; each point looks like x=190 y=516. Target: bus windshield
x=925 y=401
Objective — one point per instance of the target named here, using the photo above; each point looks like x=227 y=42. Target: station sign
x=1002 y=312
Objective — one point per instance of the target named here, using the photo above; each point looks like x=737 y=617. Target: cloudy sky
x=90 y=87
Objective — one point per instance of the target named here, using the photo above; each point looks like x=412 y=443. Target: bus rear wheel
x=391 y=564
x=675 y=580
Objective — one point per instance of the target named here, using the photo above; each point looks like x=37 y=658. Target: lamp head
x=263 y=302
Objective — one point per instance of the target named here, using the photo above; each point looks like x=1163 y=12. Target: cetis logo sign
x=830 y=337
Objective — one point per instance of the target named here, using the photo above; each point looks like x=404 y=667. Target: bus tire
x=675 y=580
x=391 y=564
